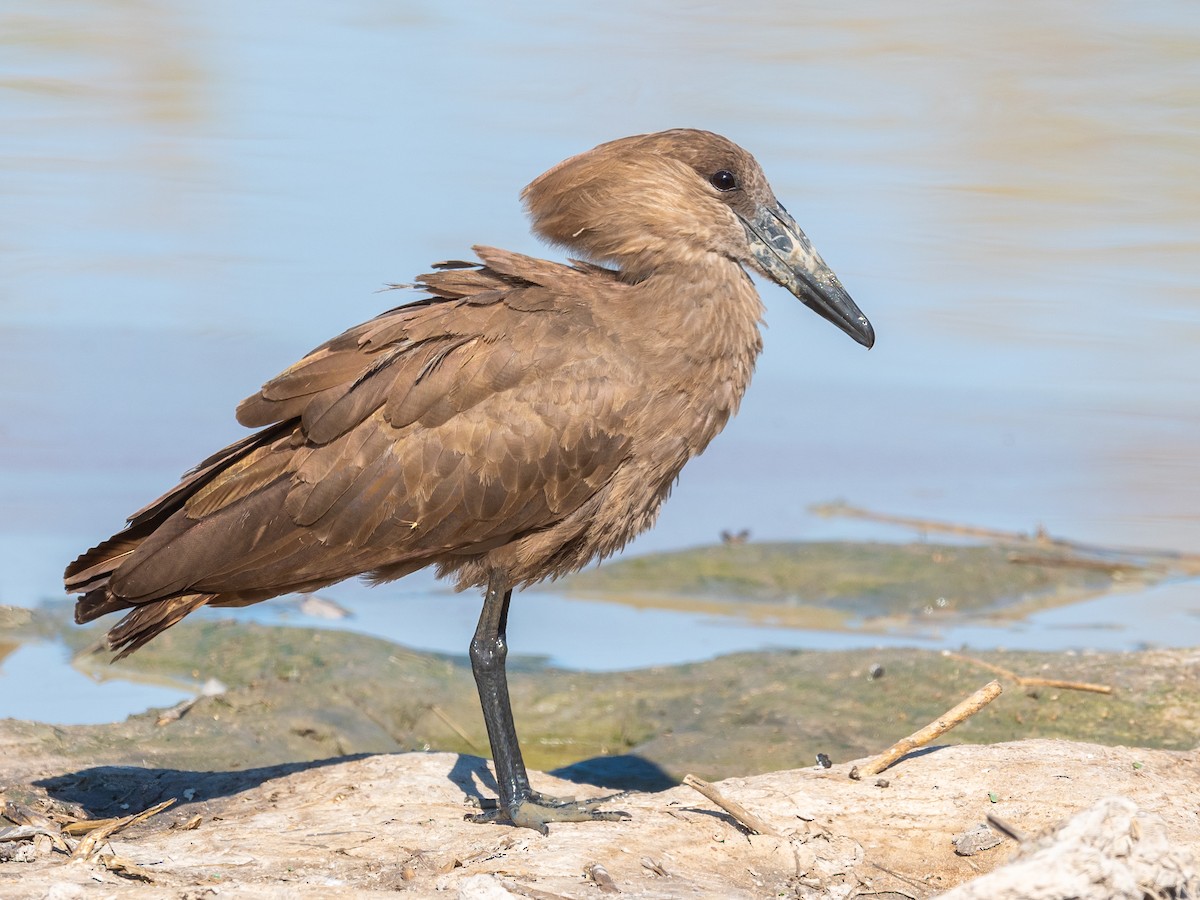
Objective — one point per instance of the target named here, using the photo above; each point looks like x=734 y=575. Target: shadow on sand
x=103 y=791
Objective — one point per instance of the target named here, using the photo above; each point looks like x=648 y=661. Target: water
x=194 y=195
x=602 y=637
x=38 y=684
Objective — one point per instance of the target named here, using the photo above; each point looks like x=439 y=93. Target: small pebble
x=976 y=840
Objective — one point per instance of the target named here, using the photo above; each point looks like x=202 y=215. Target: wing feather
x=439 y=430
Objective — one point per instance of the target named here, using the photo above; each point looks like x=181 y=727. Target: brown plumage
x=524 y=419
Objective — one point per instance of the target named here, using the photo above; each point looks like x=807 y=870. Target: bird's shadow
x=104 y=791
x=627 y=772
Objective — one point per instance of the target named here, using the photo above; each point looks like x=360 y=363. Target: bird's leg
x=518 y=802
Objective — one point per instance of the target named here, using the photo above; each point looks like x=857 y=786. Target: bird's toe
x=537 y=811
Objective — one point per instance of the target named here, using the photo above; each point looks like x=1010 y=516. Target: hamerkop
x=523 y=419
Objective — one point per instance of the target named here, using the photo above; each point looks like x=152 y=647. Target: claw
x=538 y=810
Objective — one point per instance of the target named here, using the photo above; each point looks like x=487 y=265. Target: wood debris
x=597 y=873
x=31 y=823
x=743 y=816
x=87 y=847
x=126 y=868
x=22 y=832
x=933 y=730
x=654 y=867
x=1031 y=681
x=176 y=712
x=1115 y=559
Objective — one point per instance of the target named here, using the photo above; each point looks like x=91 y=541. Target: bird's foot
x=536 y=811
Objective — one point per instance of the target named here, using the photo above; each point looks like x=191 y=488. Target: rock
x=352 y=827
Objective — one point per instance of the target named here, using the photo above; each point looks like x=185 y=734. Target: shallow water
x=602 y=637
x=40 y=685
x=599 y=636
x=197 y=194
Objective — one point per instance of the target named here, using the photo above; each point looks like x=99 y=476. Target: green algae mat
x=302 y=694
x=826 y=584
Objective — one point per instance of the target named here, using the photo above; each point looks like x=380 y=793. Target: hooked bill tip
x=863 y=333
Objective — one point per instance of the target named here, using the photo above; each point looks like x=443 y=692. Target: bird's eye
x=723 y=180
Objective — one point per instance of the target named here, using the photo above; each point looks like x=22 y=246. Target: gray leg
x=518 y=802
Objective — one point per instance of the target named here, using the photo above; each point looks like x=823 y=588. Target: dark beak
x=788 y=258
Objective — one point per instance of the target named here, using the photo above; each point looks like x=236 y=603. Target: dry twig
x=25 y=816
x=846 y=511
x=97 y=836
x=600 y=876
x=1006 y=829
x=83 y=826
x=24 y=833
x=653 y=867
x=1113 y=568
x=126 y=868
x=933 y=730
x=1031 y=681
x=743 y=816
x=1134 y=557
x=176 y=712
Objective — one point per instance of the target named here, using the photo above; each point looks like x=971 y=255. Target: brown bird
x=523 y=419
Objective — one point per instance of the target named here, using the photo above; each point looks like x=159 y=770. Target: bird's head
x=671 y=198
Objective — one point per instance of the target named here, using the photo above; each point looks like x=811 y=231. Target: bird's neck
x=708 y=315
x=701 y=336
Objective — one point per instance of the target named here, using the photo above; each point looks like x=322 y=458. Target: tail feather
x=148 y=620
x=98 y=602
x=91 y=573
